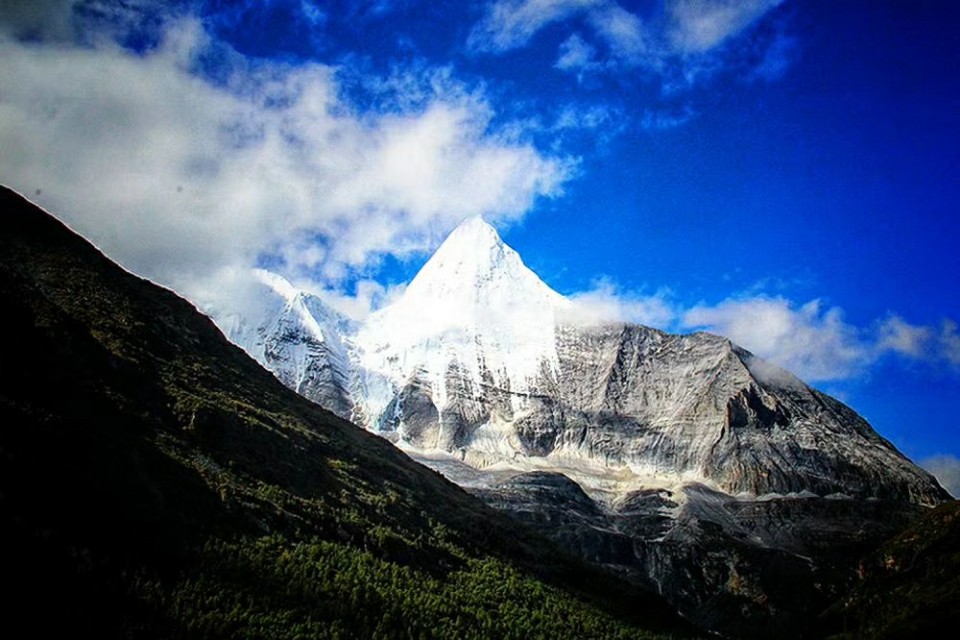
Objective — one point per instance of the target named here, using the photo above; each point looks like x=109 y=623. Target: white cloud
x=606 y=302
x=948 y=342
x=679 y=41
x=701 y=25
x=897 y=335
x=930 y=344
x=512 y=23
x=176 y=177
x=946 y=469
x=813 y=342
x=576 y=55
x=623 y=31
x=599 y=123
x=367 y=296
x=439 y=166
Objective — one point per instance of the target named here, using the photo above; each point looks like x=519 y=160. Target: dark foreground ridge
x=156 y=482
x=910 y=586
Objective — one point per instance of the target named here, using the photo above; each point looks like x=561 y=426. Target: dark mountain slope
x=155 y=481
x=910 y=586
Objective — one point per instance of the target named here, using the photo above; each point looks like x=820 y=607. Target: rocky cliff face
x=739 y=567
x=725 y=483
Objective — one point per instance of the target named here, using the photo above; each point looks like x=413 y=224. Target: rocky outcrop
x=298 y=338
x=741 y=568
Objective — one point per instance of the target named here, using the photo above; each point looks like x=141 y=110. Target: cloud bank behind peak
x=177 y=173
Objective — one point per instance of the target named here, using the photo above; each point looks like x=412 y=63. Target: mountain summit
x=474 y=315
x=479 y=362
x=477 y=359
x=472 y=270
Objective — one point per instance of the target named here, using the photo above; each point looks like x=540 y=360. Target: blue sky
x=781 y=172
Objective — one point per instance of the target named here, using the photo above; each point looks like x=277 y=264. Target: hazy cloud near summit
x=178 y=177
x=813 y=342
x=606 y=302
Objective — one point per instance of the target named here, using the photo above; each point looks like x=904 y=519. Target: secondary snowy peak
x=296 y=336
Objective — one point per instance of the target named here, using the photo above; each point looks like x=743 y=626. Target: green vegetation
x=156 y=482
x=268 y=587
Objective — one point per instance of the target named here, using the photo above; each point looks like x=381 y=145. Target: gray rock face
x=679 y=408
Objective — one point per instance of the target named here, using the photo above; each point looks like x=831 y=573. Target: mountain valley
x=157 y=482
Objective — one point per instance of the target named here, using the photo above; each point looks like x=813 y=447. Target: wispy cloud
x=623 y=32
x=679 y=41
x=606 y=302
x=177 y=176
x=364 y=297
x=596 y=124
x=946 y=469
x=948 y=341
x=667 y=118
x=509 y=24
x=696 y=26
x=578 y=55
x=896 y=335
x=812 y=341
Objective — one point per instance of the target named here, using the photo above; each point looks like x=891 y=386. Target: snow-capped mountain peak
x=684 y=447
x=478 y=359
x=474 y=267
x=474 y=307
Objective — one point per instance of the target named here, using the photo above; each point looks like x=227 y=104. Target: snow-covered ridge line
x=478 y=360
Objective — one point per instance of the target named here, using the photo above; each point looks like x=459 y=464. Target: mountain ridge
x=473 y=300
x=156 y=481
x=490 y=365
x=683 y=462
